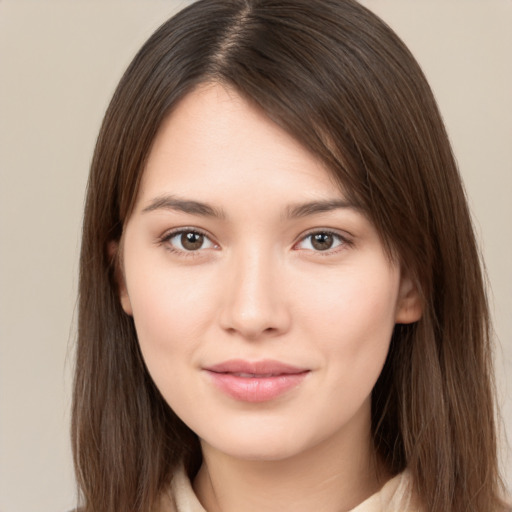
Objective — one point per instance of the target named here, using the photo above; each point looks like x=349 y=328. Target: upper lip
x=265 y=367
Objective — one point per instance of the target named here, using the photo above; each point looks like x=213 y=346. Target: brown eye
x=192 y=241
x=189 y=241
x=322 y=241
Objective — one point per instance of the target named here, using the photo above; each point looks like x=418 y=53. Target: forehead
x=214 y=140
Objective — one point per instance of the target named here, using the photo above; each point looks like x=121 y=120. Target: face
x=263 y=301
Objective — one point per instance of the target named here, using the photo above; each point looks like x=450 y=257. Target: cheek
x=171 y=314
x=354 y=299
x=351 y=320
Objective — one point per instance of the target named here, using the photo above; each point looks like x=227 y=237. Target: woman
x=281 y=300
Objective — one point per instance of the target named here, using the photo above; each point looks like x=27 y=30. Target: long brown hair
x=342 y=83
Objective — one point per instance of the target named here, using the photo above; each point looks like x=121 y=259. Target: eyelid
x=344 y=238
x=170 y=234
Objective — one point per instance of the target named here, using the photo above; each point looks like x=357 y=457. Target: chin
x=262 y=442
x=260 y=451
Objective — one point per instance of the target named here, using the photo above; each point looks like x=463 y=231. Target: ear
x=115 y=258
x=409 y=307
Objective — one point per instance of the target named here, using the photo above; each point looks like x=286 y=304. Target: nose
x=254 y=299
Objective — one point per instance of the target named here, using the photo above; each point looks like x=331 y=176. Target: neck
x=333 y=476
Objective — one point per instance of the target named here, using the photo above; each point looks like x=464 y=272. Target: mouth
x=254 y=382
x=255 y=375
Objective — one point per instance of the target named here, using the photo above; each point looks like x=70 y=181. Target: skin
x=254 y=288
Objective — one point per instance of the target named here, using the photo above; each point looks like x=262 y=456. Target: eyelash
x=344 y=241
x=167 y=237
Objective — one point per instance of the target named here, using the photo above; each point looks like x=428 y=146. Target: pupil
x=192 y=241
x=322 y=241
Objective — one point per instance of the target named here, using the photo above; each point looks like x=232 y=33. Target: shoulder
x=396 y=495
x=180 y=496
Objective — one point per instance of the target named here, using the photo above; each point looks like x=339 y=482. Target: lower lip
x=256 y=389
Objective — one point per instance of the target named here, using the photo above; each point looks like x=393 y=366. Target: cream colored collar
x=395 y=496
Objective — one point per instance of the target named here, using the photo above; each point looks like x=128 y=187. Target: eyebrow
x=314 y=207
x=169 y=202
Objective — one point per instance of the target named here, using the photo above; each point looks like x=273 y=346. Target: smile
x=254 y=375
x=255 y=381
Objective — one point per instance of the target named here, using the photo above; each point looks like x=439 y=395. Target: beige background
x=59 y=64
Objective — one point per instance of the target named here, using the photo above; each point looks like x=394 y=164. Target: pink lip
x=257 y=381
